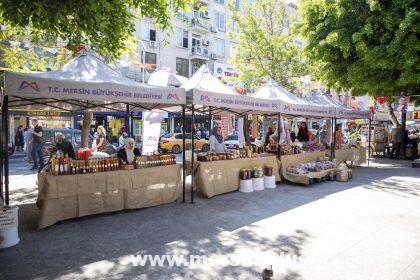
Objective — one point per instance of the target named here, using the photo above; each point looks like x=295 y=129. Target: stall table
x=218 y=177
x=69 y=196
x=357 y=156
x=288 y=160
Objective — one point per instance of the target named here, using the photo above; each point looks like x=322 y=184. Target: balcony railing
x=199 y=52
x=200 y=24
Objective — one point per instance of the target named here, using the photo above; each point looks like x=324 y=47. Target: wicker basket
x=127 y=167
x=342 y=176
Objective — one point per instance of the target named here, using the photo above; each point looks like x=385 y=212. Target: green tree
x=369 y=47
x=104 y=25
x=265 y=44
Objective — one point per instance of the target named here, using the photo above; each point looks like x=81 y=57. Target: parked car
x=74 y=135
x=172 y=142
x=232 y=142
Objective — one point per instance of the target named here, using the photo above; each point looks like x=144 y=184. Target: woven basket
x=127 y=167
x=342 y=176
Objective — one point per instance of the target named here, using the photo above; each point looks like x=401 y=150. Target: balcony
x=200 y=25
x=198 y=52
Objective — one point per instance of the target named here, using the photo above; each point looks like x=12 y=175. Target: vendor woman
x=128 y=153
x=303 y=134
x=101 y=143
x=216 y=141
x=338 y=138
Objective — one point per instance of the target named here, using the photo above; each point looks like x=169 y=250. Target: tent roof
x=203 y=88
x=340 y=111
x=86 y=82
x=164 y=77
x=291 y=104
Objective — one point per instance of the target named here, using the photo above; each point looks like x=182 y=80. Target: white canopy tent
x=83 y=83
x=164 y=77
x=290 y=104
x=205 y=89
x=340 y=111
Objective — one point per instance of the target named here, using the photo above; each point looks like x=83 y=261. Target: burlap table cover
x=218 y=177
x=288 y=160
x=357 y=156
x=70 y=196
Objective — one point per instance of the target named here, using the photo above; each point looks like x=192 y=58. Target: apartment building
x=198 y=37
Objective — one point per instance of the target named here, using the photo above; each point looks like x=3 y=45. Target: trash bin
x=9 y=226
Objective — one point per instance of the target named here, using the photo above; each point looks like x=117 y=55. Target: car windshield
x=232 y=137
x=169 y=135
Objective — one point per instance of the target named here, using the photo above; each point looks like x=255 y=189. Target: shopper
x=101 y=143
x=397 y=137
x=338 y=136
x=27 y=144
x=19 y=142
x=129 y=152
x=216 y=141
x=323 y=135
x=303 y=134
x=36 y=150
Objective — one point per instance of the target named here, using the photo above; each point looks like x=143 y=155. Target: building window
x=150 y=58
x=220 y=21
x=219 y=47
x=235 y=26
x=182 y=38
x=145 y=30
x=221 y=2
x=182 y=66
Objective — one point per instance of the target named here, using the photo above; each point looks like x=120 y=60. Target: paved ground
x=368 y=228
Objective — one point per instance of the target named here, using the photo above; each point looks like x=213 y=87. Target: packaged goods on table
x=304 y=168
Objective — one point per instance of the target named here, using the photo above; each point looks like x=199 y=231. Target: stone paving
x=367 y=228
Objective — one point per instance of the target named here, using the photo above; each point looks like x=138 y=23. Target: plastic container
x=245 y=186
x=269 y=182
x=258 y=184
x=9 y=226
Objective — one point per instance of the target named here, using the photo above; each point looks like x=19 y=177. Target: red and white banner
x=151 y=131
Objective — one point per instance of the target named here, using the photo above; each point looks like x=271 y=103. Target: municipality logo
x=274 y=106
x=172 y=96
x=286 y=107
x=205 y=98
x=26 y=84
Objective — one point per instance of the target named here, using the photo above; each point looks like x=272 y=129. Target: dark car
x=73 y=135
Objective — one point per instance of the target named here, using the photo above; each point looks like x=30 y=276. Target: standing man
x=397 y=136
x=36 y=144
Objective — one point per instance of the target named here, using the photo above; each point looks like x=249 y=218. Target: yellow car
x=172 y=142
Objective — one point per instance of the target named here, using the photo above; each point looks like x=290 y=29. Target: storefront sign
x=39 y=113
x=222 y=70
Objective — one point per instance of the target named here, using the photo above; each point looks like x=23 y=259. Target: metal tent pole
x=334 y=123
x=1 y=153
x=209 y=120
x=192 y=153
x=6 y=148
x=278 y=135
x=183 y=153
x=127 y=118
x=369 y=142
x=132 y=124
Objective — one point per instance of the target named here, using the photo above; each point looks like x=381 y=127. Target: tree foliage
x=103 y=25
x=265 y=44
x=369 y=46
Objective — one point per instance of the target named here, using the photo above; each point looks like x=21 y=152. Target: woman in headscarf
x=129 y=152
x=216 y=141
x=303 y=134
x=267 y=136
x=100 y=144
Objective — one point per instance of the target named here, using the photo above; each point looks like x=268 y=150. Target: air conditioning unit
x=214 y=29
x=153 y=44
x=213 y=56
x=206 y=14
x=205 y=42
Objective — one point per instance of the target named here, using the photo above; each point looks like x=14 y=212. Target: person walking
x=36 y=150
x=26 y=144
x=19 y=139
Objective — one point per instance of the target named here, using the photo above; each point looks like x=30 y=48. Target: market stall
x=295 y=153
x=206 y=91
x=87 y=83
x=352 y=152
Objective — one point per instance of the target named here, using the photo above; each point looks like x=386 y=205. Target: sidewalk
x=367 y=228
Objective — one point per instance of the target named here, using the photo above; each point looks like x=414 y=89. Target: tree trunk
x=391 y=114
x=246 y=130
x=87 y=120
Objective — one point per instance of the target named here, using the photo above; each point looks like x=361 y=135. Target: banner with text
x=151 y=131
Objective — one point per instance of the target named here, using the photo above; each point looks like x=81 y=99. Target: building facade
x=198 y=37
